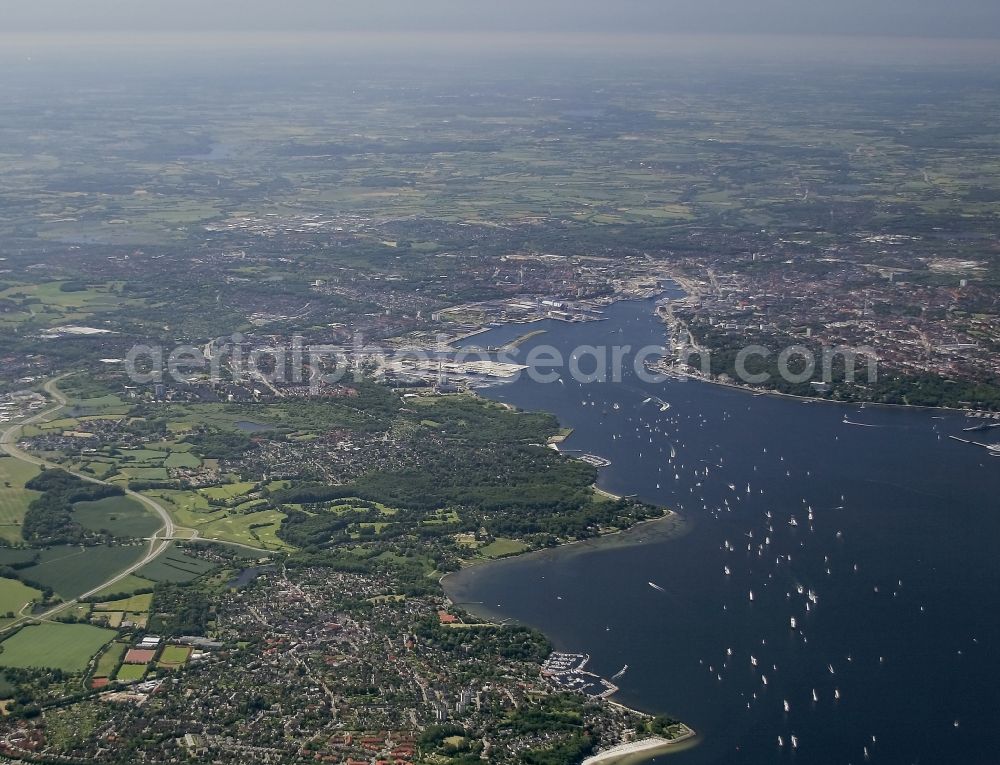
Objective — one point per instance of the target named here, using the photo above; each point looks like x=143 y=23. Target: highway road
x=159 y=542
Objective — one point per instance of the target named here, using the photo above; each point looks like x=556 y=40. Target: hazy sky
x=924 y=18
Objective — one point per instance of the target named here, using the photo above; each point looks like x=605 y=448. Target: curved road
x=159 y=542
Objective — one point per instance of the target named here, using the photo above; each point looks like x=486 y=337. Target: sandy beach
x=643 y=749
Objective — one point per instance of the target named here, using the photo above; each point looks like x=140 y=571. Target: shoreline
x=626 y=753
x=642 y=749
x=605 y=539
x=746 y=389
x=605 y=493
x=685 y=285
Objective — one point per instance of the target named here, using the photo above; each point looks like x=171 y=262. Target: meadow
x=110 y=659
x=14 y=498
x=68 y=647
x=122 y=516
x=129 y=584
x=133 y=603
x=14 y=595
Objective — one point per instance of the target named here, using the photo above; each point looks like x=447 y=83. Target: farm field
x=175 y=566
x=10 y=556
x=71 y=570
x=135 y=603
x=110 y=659
x=129 y=584
x=122 y=516
x=67 y=647
x=14 y=498
x=14 y=595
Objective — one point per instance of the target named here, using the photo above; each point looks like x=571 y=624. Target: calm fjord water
x=900 y=555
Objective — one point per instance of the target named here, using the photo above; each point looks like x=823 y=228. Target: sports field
x=130 y=673
x=174 y=656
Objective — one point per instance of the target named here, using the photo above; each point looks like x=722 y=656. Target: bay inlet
x=874 y=534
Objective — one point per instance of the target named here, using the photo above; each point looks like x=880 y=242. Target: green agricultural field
x=110 y=659
x=14 y=595
x=63 y=423
x=51 y=645
x=129 y=584
x=145 y=473
x=134 y=603
x=122 y=516
x=182 y=460
x=10 y=556
x=141 y=456
x=188 y=508
x=175 y=566
x=502 y=547
x=109 y=406
x=71 y=570
x=14 y=498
